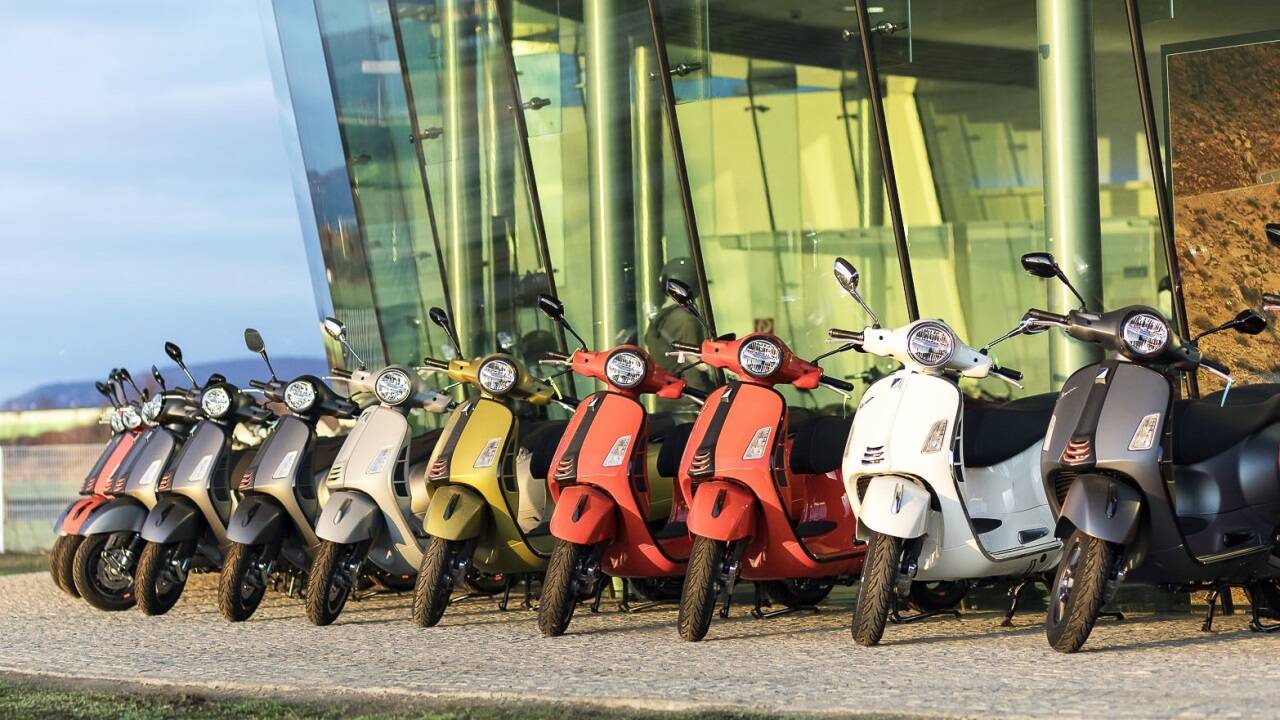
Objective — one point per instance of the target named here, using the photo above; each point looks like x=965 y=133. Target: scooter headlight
x=625 y=369
x=151 y=408
x=393 y=386
x=760 y=357
x=215 y=402
x=497 y=376
x=117 y=425
x=130 y=417
x=930 y=344
x=300 y=395
x=1145 y=334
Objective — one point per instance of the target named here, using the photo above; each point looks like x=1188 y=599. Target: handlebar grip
x=1215 y=365
x=1010 y=373
x=685 y=347
x=434 y=363
x=845 y=335
x=695 y=393
x=836 y=383
x=258 y=384
x=341 y=372
x=557 y=356
x=1046 y=316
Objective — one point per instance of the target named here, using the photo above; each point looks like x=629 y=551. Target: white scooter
x=945 y=494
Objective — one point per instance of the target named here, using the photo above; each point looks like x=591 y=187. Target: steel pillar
x=462 y=172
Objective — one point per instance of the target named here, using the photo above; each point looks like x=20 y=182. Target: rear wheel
x=100 y=574
x=1079 y=590
x=158 y=579
x=561 y=587
x=61 y=559
x=875 y=592
x=698 y=599
x=329 y=582
x=935 y=596
x=240 y=586
x=798 y=593
x=435 y=581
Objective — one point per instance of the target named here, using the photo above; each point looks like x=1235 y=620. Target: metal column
x=608 y=100
x=499 y=131
x=650 y=181
x=1070 y=141
x=462 y=178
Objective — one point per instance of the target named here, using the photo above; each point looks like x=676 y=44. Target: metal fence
x=36 y=483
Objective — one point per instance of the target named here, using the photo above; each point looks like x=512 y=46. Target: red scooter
x=768 y=503
x=612 y=517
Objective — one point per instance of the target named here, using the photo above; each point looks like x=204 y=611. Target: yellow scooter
x=490 y=509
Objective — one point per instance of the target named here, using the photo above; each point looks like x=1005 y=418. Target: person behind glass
x=672 y=324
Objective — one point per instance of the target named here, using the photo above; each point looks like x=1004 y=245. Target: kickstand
x=527 y=604
x=897 y=618
x=600 y=583
x=759 y=613
x=626 y=606
x=1015 y=594
x=1256 y=623
x=506 y=594
x=727 y=591
x=1214 y=594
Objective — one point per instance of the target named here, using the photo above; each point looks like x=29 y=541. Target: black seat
x=1245 y=394
x=326 y=451
x=672 y=450
x=995 y=433
x=421 y=446
x=819 y=441
x=541 y=440
x=1202 y=428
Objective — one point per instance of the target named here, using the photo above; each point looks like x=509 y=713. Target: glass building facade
x=471 y=154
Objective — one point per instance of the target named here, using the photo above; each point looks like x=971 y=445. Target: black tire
x=435 y=581
x=701 y=580
x=876 y=591
x=61 y=559
x=158 y=589
x=100 y=586
x=1078 y=591
x=559 y=588
x=238 y=595
x=935 y=596
x=328 y=588
x=798 y=593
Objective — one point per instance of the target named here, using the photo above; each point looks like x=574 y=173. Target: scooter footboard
x=896 y=506
x=1104 y=507
x=722 y=510
x=173 y=519
x=456 y=513
x=349 y=517
x=584 y=516
x=257 y=520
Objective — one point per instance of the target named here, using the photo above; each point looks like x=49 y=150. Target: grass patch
x=13 y=563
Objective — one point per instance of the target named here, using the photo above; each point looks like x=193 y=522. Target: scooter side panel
x=102 y=484
x=1012 y=493
x=156 y=454
x=91 y=477
x=274 y=473
x=197 y=473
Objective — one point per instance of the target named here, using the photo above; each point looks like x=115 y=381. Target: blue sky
x=144 y=190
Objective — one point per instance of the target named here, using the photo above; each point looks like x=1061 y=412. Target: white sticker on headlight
x=759 y=443
x=618 y=452
x=488 y=454
x=201 y=473
x=285 y=466
x=1145 y=436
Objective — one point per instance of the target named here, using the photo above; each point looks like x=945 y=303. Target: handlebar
x=687 y=348
x=836 y=383
x=554 y=357
x=342 y=373
x=259 y=385
x=695 y=393
x=1008 y=374
x=1046 y=316
x=845 y=335
x=1214 y=366
x=435 y=364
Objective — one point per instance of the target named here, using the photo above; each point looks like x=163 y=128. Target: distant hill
x=81 y=393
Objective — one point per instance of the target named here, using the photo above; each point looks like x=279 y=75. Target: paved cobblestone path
x=1145 y=666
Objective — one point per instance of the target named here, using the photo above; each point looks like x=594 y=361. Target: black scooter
x=1183 y=494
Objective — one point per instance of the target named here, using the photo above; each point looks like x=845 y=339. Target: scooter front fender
x=118 y=515
x=173 y=519
x=456 y=513
x=894 y=506
x=257 y=520
x=1103 y=507
x=722 y=510
x=349 y=517
x=584 y=516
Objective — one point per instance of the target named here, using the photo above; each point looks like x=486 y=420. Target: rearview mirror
x=846 y=275
x=103 y=389
x=551 y=307
x=334 y=328
x=441 y=318
x=1273 y=234
x=155 y=374
x=173 y=351
x=253 y=340
x=1041 y=264
x=1249 y=322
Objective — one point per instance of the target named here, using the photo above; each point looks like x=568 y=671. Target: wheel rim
x=338 y=588
x=106 y=574
x=1066 y=581
x=248 y=588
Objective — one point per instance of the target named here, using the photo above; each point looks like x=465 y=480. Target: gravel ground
x=1146 y=666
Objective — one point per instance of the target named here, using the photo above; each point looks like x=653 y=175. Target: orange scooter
x=768 y=503
x=617 y=509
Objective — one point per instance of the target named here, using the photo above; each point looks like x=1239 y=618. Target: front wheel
x=240 y=585
x=101 y=574
x=1079 y=590
x=329 y=582
x=876 y=591
x=559 y=587
x=435 y=581
x=159 y=577
x=61 y=561
x=698 y=599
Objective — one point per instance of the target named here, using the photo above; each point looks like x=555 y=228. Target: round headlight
x=130 y=417
x=1145 y=333
x=625 y=369
x=151 y=408
x=117 y=425
x=497 y=376
x=215 y=402
x=393 y=386
x=760 y=357
x=300 y=395
x=930 y=344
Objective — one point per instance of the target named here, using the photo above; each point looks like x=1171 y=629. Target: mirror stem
x=270 y=369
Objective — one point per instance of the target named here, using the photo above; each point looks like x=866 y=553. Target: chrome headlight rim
x=215 y=402
x=393 y=395
x=117 y=423
x=300 y=395
x=944 y=333
x=758 y=342
x=615 y=375
x=1154 y=323
x=151 y=408
x=130 y=417
x=484 y=375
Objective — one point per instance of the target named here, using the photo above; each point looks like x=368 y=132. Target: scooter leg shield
x=584 y=516
x=74 y=517
x=722 y=511
x=456 y=513
x=894 y=506
x=173 y=519
x=348 y=517
x=1103 y=507
x=112 y=517
x=257 y=520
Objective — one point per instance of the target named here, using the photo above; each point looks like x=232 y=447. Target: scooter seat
x=995 y=433
x=1245 y=394
x=818 y=443
x=421 y=447
x=673 y=444
x=1202 y=428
